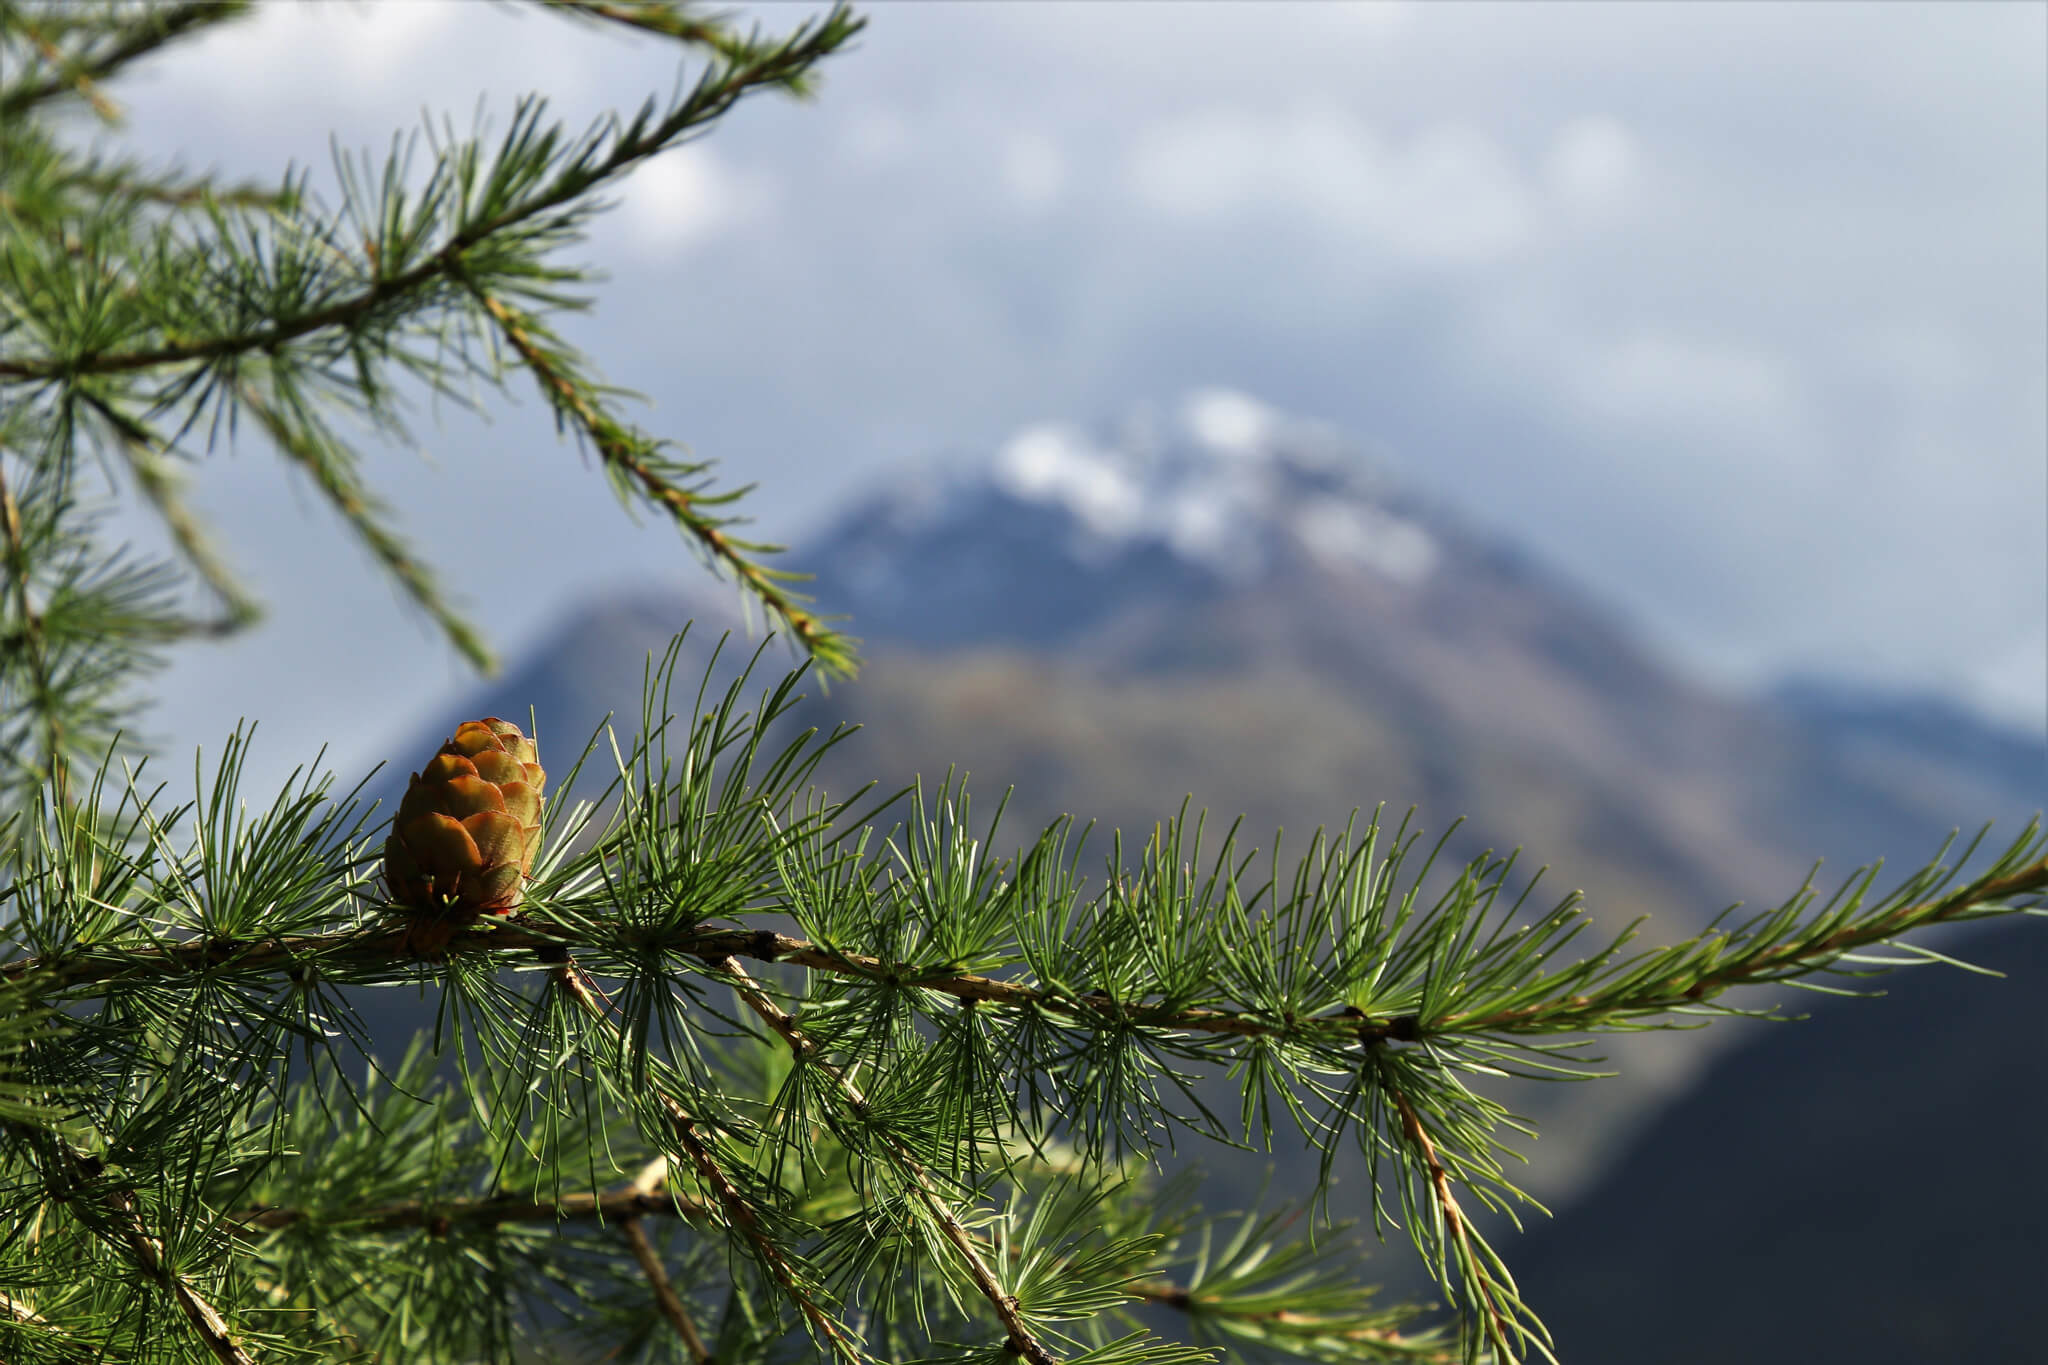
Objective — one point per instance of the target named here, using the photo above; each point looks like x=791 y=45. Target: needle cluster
x=752 y=1071
x=744 y=1072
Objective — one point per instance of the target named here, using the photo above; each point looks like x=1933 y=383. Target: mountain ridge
x=1028 y=619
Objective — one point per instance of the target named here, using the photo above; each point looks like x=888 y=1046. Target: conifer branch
x=387 y=944
x=1800 y=953
x=739 y=1215
x=148 y=1251
x=65 y=1347
x=30 y=642
x=439 y=1215
x=666 y=1300
x=708 y=100
x=69 y=76
x=1022 y=1341
x=669 y=1303
x=1305 y=1327
x=658 y=17
x=327 y=464
x=83 y=71
x=628 y=454
x=644 y=1199
x=143 y=450
x=1473 y=1255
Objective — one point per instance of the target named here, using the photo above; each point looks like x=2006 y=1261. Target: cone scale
x=463 y=842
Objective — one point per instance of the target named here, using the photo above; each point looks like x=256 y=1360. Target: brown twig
x=1167 y=1294
x=386 y=944
x=616 y=1207
x=665 y=1298
x=205 y=1319
x=1022 y=1341
x=739 y=1214
x=670 y=1304
x=1494 y=1318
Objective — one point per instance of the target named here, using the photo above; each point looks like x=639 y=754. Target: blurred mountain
x=1238 y=607
x=1244 y=610
x=1926 y=742
x=1865 y=1185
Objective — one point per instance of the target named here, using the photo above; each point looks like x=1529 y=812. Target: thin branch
x=360 y=509
x=205 y=1319
x=666 y=1300
x=159 y=27
x=739 y=1214
x=606 y=436
x=644 y=1199
x=705 y=104
x=1497 y=1324
x=657 y=17
x=1555 y=1016
x=1167 y=1294
x=385 y=944
x=34 y=641
x=669 y=1303
x=440 y=1216
x=1023 y=1342
x=72 y=1351
x=144 y=452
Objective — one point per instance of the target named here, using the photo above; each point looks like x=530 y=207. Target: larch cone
x=463 y=842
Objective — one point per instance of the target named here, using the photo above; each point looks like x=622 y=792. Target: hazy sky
x=1735 y=312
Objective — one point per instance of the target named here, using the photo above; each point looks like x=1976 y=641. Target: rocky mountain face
x=1865 y=1185
x=1241 y=610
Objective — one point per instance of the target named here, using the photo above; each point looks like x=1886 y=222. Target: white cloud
x=1447 y=195
x=1593 y=163
x=686 y=197
x=1345 y=534
x=1034 y=172
x=1666 y=380
x=1052 y=462
x=1228 y=422
x=874 y=137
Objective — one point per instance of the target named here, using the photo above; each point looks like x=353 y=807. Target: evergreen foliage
x=750 y=1073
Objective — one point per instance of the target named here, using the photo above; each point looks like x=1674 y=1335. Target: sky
x=1737 y=314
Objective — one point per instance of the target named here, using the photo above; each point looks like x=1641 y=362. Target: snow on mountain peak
x=1245 y=484
x=1055 y=463
x=1226 y=422
x=1345 y=534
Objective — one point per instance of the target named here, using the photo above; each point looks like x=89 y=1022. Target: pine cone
x=465 y=835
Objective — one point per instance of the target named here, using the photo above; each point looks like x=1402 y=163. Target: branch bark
x=1023 y=1341
x=206 y=1320
x=386 y=943
x=739 y=1214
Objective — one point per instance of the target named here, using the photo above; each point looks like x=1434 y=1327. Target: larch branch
x=386 y=944
x=1023 y=1341
x=705 y=104
x=739 y=1214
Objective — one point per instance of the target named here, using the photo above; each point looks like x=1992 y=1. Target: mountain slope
x=1241 y=612
x=1865 y=1185
x=1250 y=556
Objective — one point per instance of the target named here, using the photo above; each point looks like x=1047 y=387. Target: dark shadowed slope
x=1866 y=1186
